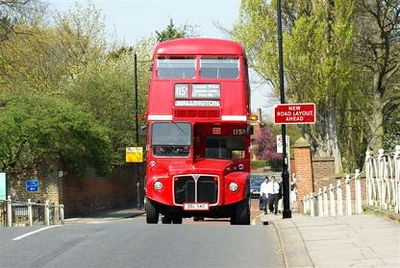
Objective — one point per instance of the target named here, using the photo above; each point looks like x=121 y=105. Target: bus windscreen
x=171 y=139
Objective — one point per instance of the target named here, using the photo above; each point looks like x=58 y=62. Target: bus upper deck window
x=219 y=68
x=176 y=68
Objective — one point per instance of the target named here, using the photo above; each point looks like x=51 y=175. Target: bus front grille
x=196 y=189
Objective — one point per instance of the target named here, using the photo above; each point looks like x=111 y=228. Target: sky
x=132 y=20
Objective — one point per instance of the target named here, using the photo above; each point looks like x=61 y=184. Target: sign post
x=287 y=213
x=135 y=155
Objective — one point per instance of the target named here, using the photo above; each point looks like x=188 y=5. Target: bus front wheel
x=242 y=213
x=151 y=212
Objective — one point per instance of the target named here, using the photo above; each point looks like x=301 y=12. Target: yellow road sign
x=134 y=154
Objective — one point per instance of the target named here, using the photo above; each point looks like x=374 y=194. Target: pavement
x=341 y=241
x=106 y=216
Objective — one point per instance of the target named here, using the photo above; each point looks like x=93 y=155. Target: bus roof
x=198 y=46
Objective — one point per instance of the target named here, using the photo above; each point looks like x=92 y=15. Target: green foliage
x=106 y=90
x=173 y=32
x=258 y=164
x=317 y=44
x=34 y=129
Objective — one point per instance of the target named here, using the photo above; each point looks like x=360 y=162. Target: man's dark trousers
x=273 y=200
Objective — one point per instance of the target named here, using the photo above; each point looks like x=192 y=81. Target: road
x=133 y=243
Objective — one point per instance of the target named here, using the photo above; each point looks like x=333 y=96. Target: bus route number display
x=239 y=131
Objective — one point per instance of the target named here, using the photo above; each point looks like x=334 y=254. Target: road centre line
x=34 y=232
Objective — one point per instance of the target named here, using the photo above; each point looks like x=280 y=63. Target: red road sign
x=300 y=113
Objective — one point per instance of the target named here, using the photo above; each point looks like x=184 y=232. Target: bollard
x=375 y=183
x=332 y=199
x=47 y=213
x=358 y=192
x=308 y=203
x=9 y=212
x=325 y=198
x=339 y=198
x=369 y=174
x=305 y=204
x=312 y=206
x=397 y=177
x=62 y=214
x=30 y=217
x=348 y=195
x=398 y=197
x=320 y=211
x=380 y=177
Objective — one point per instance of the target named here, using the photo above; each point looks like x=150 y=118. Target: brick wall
x=303 y=168
x=82 y=196
x=323 y=172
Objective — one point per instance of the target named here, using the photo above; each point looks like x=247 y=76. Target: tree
x=106 y=90
x=317 y=44
x=173 y=32
x=9 y=11
x=266 y=143
x=47 y=59
x=377 y=56
x=36 y=129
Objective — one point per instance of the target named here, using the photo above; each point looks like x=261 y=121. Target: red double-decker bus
x=198 y=139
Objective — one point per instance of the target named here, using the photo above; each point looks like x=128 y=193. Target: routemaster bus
x=198 y=138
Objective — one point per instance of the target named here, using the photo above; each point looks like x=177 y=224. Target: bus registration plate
x=196 y=206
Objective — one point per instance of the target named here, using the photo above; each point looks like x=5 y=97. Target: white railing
x=382 y=189
x=21 y=213
x=383 y=180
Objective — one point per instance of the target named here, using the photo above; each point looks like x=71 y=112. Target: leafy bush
x=34 y=129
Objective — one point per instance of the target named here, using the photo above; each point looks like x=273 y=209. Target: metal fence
x=20 y=213
x=3 y=213
x=382 y=189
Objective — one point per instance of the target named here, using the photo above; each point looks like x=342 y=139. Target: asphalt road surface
x=133 y=243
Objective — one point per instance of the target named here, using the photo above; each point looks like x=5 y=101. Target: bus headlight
x=233 y=186
x=158 y=185
x=240 y=166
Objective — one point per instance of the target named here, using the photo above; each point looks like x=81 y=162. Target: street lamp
x=287 y=213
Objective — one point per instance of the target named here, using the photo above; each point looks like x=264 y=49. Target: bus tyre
x=151 y=212
x=177 y=221
x=242 y=215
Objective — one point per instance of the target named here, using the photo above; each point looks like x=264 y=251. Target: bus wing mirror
x=250 y=130
x=143 y=131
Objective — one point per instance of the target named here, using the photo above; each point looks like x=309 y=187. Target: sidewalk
x=345 y=241
x=106 y=216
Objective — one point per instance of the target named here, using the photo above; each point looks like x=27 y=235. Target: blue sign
x=32 y=186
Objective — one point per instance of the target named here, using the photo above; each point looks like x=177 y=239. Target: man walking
x=264 y=195
x=273 y=195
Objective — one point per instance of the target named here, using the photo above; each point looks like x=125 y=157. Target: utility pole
x=136 y=101
x=137 y=168
x=287 y=213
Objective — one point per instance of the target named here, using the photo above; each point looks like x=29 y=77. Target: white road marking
x=34 y=232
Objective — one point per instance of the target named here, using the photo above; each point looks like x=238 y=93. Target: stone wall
x=50 y=186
